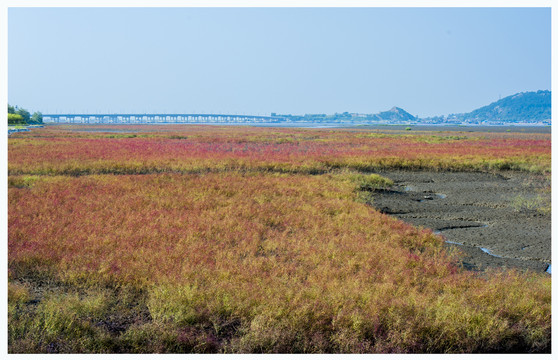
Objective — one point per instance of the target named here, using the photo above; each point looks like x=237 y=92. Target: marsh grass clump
x=49 y=315
x=540 y=203
x=22 y=181
x=59 y=322
x=371 y=182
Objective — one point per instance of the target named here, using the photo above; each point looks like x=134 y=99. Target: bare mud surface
x=495 y=220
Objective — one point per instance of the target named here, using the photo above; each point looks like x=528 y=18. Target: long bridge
x=156 y=118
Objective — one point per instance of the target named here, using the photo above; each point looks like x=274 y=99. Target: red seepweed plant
x=249 y=240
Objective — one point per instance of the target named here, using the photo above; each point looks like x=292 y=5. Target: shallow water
x=453 y=242
x=488 y=252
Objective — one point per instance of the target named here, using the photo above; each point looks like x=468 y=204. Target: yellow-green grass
x=247 y=262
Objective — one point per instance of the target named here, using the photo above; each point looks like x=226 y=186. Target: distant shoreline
x=466 y=128
x=540 y=129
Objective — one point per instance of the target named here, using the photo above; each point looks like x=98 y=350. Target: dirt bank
x=505 y=214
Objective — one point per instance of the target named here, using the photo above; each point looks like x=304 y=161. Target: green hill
x=525 y=107
x=395 y=114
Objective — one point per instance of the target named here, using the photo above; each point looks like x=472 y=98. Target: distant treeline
x=21 y=116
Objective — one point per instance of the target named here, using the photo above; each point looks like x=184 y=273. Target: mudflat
x=404 y=129
x=494 y=219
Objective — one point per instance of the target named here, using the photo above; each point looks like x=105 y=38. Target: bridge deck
x=155 y=118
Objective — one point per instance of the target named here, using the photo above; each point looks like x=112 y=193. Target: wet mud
x=495 y=220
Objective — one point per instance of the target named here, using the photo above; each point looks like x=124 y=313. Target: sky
x=428 y=61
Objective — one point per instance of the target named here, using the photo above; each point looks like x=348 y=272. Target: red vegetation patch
x=195 y=148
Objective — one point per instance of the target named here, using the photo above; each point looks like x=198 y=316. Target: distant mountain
x=395 y=114
x=526 y=107
x=522 y=108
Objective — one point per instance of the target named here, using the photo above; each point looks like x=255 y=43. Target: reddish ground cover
x=198 y=148
x=205 y=252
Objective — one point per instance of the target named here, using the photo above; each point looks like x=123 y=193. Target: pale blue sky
x=287 y=60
